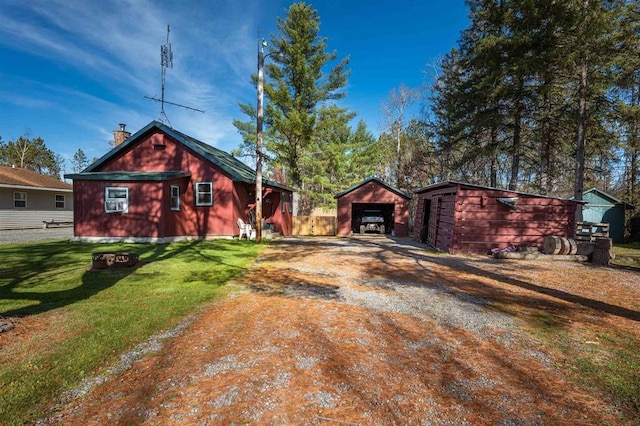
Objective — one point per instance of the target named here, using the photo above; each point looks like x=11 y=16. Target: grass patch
x=82 y=321
x=627 y=254
x=614 y=366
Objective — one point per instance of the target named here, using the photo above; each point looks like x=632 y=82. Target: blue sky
x=70 y=71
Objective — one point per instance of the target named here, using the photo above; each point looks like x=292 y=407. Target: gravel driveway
x=35 y=235
x=361 y=331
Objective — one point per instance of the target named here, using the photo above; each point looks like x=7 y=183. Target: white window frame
x=63 y=201
x=19 y=199
x=173 y=196
x=121 y=203
x=199 y=192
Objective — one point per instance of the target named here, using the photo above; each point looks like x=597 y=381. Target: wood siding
x=150 y=214
x=314 y=225
x=469 y=219
x=41 y=206
x=373 y=193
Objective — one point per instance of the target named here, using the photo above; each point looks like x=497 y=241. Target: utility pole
x=259 y=141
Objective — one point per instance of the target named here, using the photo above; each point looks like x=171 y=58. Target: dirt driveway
x=374 y=331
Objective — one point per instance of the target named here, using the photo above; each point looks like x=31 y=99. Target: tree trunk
x=517 y=135
x=494 y=157
x=545 y=143
x=582 y=125
x=581 y=135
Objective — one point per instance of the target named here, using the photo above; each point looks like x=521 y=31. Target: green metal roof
x=128 y=176
x=235 y=168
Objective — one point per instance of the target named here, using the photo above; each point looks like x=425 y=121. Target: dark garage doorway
x=358 y=210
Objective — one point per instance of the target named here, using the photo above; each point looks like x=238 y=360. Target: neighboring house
x=460 y=217
x=27 y=199
x=373 y=198
x=161 y=185
x=605 y=208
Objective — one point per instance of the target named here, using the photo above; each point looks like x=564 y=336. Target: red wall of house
x=373 y=192
x=472 y=220
x=144 y=219
x=158 y=152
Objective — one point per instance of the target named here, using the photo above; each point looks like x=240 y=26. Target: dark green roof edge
x=128 y=176
x=454 y=183
x=235 y=168
x=374 y=179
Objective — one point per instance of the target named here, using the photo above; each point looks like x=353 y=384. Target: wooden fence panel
x=314 y=225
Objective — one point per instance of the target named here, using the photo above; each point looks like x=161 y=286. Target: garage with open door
x=373 y=207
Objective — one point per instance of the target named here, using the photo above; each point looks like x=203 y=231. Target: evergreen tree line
x=540 y=96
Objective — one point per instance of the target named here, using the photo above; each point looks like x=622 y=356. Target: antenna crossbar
x=166 y=61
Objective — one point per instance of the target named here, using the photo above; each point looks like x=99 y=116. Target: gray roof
x=236 y=169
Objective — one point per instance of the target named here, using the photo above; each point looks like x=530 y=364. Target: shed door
x=434 y=214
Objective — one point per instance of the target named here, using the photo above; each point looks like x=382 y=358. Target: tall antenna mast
x=166 y=61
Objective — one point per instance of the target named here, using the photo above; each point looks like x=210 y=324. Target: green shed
x=605 y=208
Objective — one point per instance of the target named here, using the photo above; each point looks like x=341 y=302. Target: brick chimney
x=121 y=135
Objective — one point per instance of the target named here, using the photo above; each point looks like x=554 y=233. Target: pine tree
x=297 y=85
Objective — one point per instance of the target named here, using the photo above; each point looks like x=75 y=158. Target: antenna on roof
x=166 y=61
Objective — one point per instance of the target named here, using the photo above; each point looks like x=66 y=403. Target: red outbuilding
x=161 y=185
x=460 y=217
x=373 y=199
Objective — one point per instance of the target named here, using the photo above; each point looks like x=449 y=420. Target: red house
x=460 y=217
x=373 y=196
x=161 y=185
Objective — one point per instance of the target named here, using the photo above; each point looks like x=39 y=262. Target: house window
x=20 y=200
x=116 y=199
x=60 y=201
x=286 y=202
x=175 y=197
x=204 y=194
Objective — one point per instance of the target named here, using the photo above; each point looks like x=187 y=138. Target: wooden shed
x=373 y=196
x=605 y=208
x=460 y=217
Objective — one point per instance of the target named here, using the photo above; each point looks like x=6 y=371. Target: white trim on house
x=198 y=193
x=147 y=240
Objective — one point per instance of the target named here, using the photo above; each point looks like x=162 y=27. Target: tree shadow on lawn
x=467 y=281
x=42 y=260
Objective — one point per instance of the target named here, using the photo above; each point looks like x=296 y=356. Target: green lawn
x=86 y=319
x=627 y=254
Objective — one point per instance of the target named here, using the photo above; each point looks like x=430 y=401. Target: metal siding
x=24 y=219
x=40 y=207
